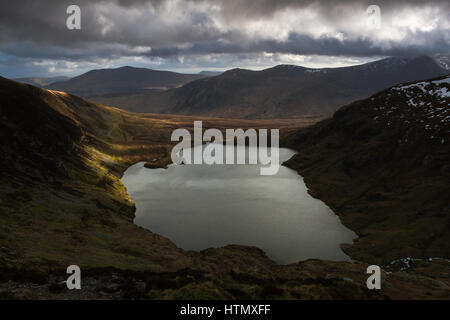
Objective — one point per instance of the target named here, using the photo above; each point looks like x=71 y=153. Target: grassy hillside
x=383 y=165
x=62 y=202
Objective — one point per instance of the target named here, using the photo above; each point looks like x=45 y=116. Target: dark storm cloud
x=170 y=28
x=302 y=45
x=264 y=8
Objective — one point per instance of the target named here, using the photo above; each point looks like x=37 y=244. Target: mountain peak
x=123 y=80
x=288 y=66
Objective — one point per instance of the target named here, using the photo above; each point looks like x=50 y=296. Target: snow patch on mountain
x=424 y=104
x=443 y=61
x=428 y=87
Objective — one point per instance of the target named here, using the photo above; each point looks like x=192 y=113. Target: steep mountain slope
x=122 y=80
x=281 y=92
x=383 y=164
x=62 y=203
x=61 y=197
x=41 y=82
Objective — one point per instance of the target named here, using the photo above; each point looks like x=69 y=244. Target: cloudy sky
x=194 y=35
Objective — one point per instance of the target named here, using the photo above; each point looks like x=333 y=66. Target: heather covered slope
x=62 y=199
x=383 y=164
x=284 y=91
x=62 y=202
x=61 y=195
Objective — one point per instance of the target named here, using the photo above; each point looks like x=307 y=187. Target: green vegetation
x=382 y=165
x=62 y=202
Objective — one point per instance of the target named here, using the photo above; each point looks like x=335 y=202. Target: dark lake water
x=203 y=206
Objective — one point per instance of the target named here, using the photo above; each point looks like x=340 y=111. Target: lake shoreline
x=291 y=183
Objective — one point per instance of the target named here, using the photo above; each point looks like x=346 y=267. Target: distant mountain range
x=210 y=73
x=124 y=80
x=284 y=91
x=41 y=82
